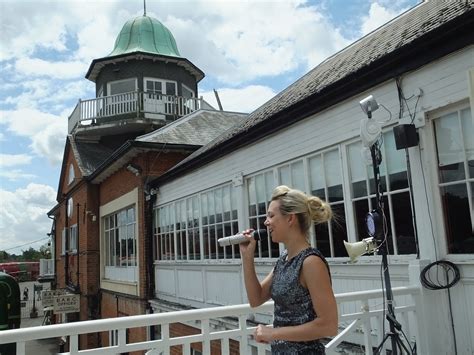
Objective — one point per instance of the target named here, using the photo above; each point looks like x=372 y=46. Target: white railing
x=366 y=323
x=102 y=109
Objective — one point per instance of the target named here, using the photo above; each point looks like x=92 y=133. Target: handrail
x=361 y=319
x=93 y=111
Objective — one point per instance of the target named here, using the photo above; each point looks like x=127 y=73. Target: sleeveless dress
x=292 y=303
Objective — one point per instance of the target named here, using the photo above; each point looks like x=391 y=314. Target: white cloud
x=47 y=132
x=378 y=15
x=33 y=67
x=242 y=41
x=16 y=175
x=23 y=215
x=8 y=160
x=246 y=99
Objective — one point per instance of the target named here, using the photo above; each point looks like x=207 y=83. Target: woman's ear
x=291 y=219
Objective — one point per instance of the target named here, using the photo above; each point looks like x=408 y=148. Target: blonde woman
x=300 y=283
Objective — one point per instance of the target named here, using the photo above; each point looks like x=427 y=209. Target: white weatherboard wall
x=443 y=82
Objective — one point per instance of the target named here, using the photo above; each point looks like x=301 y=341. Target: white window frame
x=110 y=83
x=71 y=174
x=468 y=181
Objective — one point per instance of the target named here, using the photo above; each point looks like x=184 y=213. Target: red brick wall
x=179 y=329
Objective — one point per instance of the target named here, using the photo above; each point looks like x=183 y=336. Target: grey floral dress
x=293 y=305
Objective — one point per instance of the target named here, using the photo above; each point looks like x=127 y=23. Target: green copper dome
x=145 y=34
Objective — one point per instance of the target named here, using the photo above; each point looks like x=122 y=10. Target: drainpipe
x=150 y=199
x=66 y=244
x=53 y=249
x=78 y=289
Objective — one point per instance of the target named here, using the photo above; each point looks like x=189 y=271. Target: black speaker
x=405 y=136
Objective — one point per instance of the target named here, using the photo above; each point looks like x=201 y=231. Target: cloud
x=240 y=42
x=46 y=131
x=245 y=99
x=8 y=160
x=33 y=67
x=23 y=215
x=16 y=175
x=378 y=16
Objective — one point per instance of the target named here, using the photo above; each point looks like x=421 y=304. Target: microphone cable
x=452 y=275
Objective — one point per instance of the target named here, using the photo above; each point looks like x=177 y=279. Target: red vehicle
x=21 y=270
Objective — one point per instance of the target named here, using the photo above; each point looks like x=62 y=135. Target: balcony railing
x=104 y=109
x=360 y=315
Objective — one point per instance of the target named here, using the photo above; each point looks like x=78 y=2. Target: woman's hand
x=263 y=334
x=247 y=250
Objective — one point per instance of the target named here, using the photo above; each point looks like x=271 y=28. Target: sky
x=249 y=50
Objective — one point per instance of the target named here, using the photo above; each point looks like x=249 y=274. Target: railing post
x=243 y=329
x=366 y=327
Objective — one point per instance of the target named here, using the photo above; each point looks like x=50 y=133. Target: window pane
x=316 y=173
x=297 y=176
x=339 y=230
x=468 y=137
x=322 y=239
x=284 y=173
x=450 y=150
x=459 y=229
x=170 y=88
x=122 y=86
x=361 y=208
x=357 y=170
x=396 y=163
x=405 y=235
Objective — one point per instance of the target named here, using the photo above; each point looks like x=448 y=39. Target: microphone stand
x=394 y=326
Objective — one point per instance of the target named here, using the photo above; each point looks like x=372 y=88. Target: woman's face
x=277 y=223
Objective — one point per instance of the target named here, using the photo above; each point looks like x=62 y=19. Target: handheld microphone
x=259 y=234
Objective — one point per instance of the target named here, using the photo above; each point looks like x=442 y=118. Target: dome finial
x=144 y=7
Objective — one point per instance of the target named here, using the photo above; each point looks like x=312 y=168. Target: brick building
x=145 y=118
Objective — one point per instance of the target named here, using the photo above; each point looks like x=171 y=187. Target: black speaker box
x=405 y=136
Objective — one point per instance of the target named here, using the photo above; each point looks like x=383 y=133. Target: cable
x=19 y=246
x=452 y=276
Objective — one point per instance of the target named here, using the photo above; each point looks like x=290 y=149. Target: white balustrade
x=366 y=323
x=102 y=109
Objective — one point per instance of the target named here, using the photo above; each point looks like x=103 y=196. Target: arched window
x=71 y=175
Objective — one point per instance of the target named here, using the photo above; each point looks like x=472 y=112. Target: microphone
x=258 y=234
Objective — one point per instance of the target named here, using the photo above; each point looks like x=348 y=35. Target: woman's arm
x=315 y=278
x=257 y=293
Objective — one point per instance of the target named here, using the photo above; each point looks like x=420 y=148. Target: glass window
x=120 y=238
x=122 y=86
x=394 y=188
x=325 y=176
x=454 y=135
x=71 y=174
x=214 y=212
x=259 y=189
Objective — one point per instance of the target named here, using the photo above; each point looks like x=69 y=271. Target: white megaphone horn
x=354 y=250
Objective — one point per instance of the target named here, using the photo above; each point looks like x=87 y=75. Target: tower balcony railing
x=361 y=321
x=107 y=109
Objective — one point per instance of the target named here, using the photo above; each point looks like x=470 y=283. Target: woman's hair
x=306 y=208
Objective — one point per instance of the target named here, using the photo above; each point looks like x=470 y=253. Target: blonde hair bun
x=319 y=210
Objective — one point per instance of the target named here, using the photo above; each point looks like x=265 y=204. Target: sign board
x=67 y=303
x=48 y=296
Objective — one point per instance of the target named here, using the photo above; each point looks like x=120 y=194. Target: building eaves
x=423 y=34
x=99 y=63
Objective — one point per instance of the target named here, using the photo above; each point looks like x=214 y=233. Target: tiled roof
x=89 y=156
x=385 y=41
x=198 y=128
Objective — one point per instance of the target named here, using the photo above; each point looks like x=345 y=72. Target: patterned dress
x=293 y=305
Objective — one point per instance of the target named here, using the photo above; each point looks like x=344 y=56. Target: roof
x=145 y=34
x=197 y=128
x=89 y=155
x=426 y=32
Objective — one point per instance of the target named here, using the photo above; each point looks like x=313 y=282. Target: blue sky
x=249 y=51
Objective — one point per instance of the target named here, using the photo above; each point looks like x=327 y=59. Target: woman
x=300 y=283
